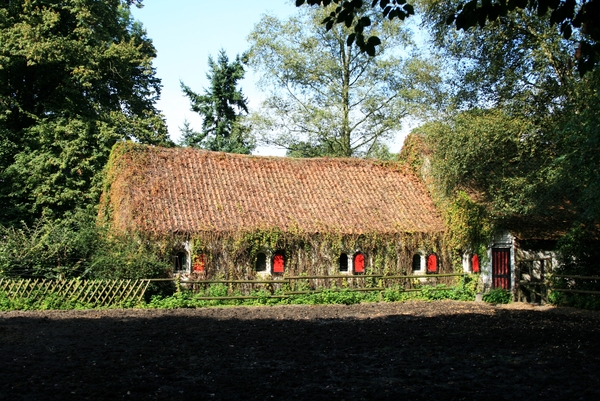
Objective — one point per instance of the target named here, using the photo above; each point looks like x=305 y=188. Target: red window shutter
x=475 y=264
x=359 y=263
x=199 y=263
x=278 y=263
x=432 y=265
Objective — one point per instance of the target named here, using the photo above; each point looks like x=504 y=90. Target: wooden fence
x=539 y=290
x=106 y=293
x=87 y=292
x=287 y=286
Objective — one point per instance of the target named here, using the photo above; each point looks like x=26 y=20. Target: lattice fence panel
x=89 y=292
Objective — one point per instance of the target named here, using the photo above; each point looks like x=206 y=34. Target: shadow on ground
x=439 y=350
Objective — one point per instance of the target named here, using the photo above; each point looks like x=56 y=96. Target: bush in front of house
x=497 y=296
x=49 y=248
x=76 y=246
x=124 y=257
x=579 y=252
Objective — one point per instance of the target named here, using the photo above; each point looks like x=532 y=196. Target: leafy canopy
x=325 y=98
x=76 y=77
x=577 y=19
x=523 y=140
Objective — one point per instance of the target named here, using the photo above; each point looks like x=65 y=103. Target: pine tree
x=222 y=107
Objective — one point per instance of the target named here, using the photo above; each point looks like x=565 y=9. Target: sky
x=186 y=32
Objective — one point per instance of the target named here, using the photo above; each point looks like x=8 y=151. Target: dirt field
x=437 y=350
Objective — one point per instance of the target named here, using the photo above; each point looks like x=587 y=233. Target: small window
x=416 y=262
x=343 y=262
x=199 y=263
x=180 y=262
x=278 y=262
x=359 y=263
x=432 y=263
x=475 y=263
x=261 y=262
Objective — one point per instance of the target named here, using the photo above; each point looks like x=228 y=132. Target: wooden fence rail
x=88 y=292
x=324 y=283
x=542 y=289
x=575 y=277
x=118 y=292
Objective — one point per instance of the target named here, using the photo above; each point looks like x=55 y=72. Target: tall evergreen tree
x=222 y=107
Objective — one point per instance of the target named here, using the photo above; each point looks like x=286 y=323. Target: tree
x=327 y=98
x=527 y=149
x=583 y=17
x=222 y=107
x=519 y=62
x=490 y=154
x=521 y=66
x=75 y=78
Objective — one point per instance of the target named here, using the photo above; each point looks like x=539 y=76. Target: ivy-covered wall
x=234 y=256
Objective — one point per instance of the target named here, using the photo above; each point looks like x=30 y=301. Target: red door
x=501 y=268
x=359 y=263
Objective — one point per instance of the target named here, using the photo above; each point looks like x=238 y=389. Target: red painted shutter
x=359 y=263
x=432 y=265
x=475 y=264
x=199 y=263
x=278 y=263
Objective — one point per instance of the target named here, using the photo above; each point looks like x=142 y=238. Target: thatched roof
x=186 y=190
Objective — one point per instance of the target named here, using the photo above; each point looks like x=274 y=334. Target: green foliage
x=581 y=301
x=469 y=223
x=489 y=154
x=463 y=291
x=221 y=107
x=578 y=253
x=126 y=257
x=527 y=149
x=34 y=302
x=326 y=98
x=333 y=297
x=77 y=77
x=49 y=248
x=497 y=296
x=574 y=173
x=569 y=19
x=76 y=247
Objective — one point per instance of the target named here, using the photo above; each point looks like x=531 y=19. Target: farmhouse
x=243 y=217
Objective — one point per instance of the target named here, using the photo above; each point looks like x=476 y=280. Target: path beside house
x=436 y=350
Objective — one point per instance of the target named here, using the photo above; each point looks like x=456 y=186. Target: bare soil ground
x=418 y=350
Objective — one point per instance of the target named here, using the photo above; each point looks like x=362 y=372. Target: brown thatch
x=186 y=191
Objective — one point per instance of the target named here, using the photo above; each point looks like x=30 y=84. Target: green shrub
x=497 y=296
x=578 y=252
x=48 y=248
x=48 y=301
x=126 y=257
